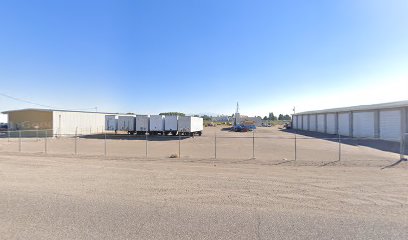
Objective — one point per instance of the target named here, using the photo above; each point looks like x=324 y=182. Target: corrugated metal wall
x=390 y=125
x=82 y=122
x=363 y=124
x=385 y=124
x=344 y=124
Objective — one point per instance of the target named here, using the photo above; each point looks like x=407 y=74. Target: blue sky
x=203 y=56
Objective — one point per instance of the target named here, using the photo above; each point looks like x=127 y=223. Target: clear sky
x=203 y=56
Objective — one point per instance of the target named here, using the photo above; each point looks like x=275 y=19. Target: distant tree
x=196 y=115
x=265 y=118
x=207 y=118
x=172 y=114
x=280 y=117
x=287 y=117
x=271 y=116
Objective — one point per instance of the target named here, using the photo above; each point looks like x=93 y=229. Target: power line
x=25 y=101
x=42 y=105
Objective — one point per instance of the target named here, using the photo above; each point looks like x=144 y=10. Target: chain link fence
x=290 y=146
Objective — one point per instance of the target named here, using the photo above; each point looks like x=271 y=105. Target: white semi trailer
x=190 y=125
x=126 y=123
x=142 y=124
x=170 y=125
x=156 y=124
x=111 y=123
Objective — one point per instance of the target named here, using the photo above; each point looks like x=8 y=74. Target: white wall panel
x=344 y=124
x=305 y=125
x=82 y=122
x=300 y=122
x=294 y=120
x=320 y=123
x=331 y=123
x=363 y=124
x=313 y=122
x=390 y=125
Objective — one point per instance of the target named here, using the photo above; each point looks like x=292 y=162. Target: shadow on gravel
x=394 y=164
x=379 y=144
x=155 y=138
x=283 y=162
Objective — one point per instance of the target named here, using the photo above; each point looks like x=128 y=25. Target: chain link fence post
x=146 y=145
x=45 y=142
x=402 y=146
x=215 y=146
x=295 y=146
x=19 y=141
x=179 y=146
x=8 y=135
x=75 y=142
x=253 y=144
x=339 y=146
x=105 y=145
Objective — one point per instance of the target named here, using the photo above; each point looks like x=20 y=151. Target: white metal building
x=57 y=121
x=386 y=121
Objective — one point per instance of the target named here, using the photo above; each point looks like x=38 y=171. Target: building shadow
x=152 y=138
x=379 y=144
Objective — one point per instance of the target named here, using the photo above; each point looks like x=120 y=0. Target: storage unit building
x=344 y=124
x=386 y=121
x=56 y=122
x=321 y=123
x=305 y=124
x=331 y=121
x=294 y=122
x=363 y=124
x=390 y=125
x=313 y=122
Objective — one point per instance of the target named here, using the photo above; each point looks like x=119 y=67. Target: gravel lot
x=57 y=196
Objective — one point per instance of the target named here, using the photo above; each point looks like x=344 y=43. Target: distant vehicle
x=243 y=128
x=3 y=126
x=287 y=125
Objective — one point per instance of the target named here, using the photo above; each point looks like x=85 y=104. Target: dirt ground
x=268 y=145
x=127 y=196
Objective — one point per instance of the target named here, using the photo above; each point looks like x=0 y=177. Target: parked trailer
x=170 y=125
x=156 y=124
x=142 y=124
x=126 y=123
x=111 y=123
x=190 y=125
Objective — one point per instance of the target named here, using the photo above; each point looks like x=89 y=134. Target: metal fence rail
x=218 y=146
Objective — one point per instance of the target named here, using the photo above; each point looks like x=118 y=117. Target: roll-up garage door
x=344 y=124
x=305 y=123
x=390 y=125
x=363 y=124
x=320 y=123
x=312 y=123
x=331 y=123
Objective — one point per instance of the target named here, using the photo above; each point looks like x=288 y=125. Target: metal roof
x=360 y=108
x=56 y=110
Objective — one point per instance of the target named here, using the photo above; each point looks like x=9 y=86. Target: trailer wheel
x=199 y=133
